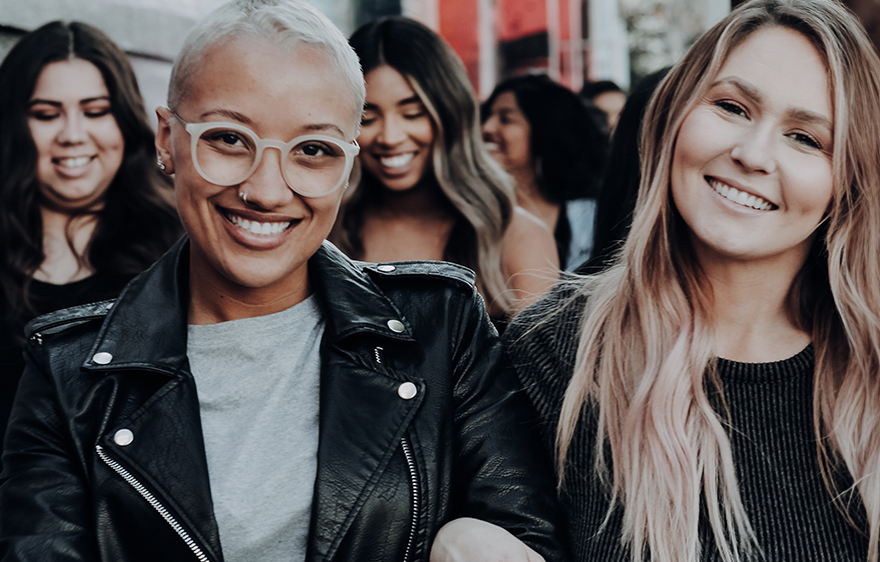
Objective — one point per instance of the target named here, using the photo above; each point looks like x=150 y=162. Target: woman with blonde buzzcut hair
x=715 y=394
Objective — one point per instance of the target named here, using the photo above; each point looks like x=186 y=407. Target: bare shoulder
x=528 y=243
x=531 y=260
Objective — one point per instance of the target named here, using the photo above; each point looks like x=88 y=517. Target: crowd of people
x=269 y=330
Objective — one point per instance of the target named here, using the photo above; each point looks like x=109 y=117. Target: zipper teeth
x=133 y=482
x=415 y=495
x=378 y=352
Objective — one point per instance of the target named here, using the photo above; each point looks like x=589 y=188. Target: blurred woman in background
x=545 y=137
x=428 y=188
x=82 y=206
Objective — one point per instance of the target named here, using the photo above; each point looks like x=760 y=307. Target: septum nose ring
x=243 y=196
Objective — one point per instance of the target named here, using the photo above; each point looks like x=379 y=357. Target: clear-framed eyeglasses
x=228 y=153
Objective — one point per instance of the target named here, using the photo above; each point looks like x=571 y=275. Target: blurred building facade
x=571 y=40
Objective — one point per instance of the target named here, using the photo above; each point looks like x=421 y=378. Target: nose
x=392 y=131
x=266 y=187
x=490 y=128
x=73 y=129
x=755 y=150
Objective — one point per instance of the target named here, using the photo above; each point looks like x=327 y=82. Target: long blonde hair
x=478 y=189
x=645 y=352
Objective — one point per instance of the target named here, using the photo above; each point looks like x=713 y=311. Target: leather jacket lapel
x=167 y=456
x=362 y=421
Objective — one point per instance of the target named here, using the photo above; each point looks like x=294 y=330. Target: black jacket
x=392 y=468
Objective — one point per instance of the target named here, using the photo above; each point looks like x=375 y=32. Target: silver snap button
x=386 y=268
x=407 y=390
x=123 y=437
x=102 y=358
x=396 y=326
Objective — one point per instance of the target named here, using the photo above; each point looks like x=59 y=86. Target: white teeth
x=258 y=227
x=740 y=197
x=396 y=161
x=74 y=162
x=492 y=146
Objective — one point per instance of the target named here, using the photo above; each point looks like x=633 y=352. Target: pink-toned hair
x=645 y=355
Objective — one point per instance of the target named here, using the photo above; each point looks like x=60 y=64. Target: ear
x=163 y=139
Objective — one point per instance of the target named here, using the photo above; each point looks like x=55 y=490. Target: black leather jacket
x=392 y=468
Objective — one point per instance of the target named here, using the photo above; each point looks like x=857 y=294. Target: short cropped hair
x=291 y=23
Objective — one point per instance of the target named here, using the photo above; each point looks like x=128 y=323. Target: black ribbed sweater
x=772 y=439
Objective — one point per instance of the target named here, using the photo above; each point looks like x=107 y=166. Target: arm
x=531 y=260
x=465 y=540
x=500 y=474
x=44 y=505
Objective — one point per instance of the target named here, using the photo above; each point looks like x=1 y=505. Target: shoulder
x=67 y=318
x=443 y=272
x=528 y=243
x=541 y=342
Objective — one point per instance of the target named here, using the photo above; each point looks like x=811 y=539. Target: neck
x=65 y=241
x=530 y=198
x=425 y=200
x=752 y=321
x=215 y=299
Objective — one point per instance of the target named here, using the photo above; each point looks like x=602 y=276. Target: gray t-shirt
x=258 y=387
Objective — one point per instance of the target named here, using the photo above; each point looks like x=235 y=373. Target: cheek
x=367 y=136
x=42 y=136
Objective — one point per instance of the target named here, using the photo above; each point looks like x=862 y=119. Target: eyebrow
x=797 y=113
x=406 y=101
x=241 y=118
x=55 y=103
x=324 y=127
x=229 y=114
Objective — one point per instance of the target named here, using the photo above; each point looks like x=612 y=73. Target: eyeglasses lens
x=312 y=167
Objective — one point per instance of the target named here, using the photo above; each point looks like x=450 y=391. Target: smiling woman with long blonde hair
x=715 y=394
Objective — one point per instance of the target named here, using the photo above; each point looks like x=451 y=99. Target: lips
x=261 y=228
x=72 y=162
x=740 y=197
x=397 y=160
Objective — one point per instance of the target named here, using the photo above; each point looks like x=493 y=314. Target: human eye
x=315 y=151
x=44 y=112
x=805 y=139
x=412 y=115
x=368 y=118
x=95 y=112
x=226 y=140
x=730 y=107
x=45 y=115
x=413 y=110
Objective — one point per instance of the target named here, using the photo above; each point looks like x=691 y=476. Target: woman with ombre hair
x=715 y=395
x=429 y=189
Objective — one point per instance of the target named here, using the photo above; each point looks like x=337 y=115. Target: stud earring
x=243 y=197
x=160 y=163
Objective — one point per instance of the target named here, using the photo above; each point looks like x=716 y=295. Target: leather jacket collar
x=357 y=306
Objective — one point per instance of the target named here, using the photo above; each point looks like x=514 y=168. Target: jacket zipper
x=151 y=499
x=414 y=477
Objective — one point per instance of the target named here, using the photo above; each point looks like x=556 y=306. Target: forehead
x=784 y=66
x=505 y=100
x=70 y=79
x=278 y=89
x=385 y=84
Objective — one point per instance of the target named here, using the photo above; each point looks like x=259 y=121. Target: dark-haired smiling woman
x=256 y=395
x=82 y=207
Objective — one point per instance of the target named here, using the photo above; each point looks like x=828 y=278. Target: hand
x=474 y=540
